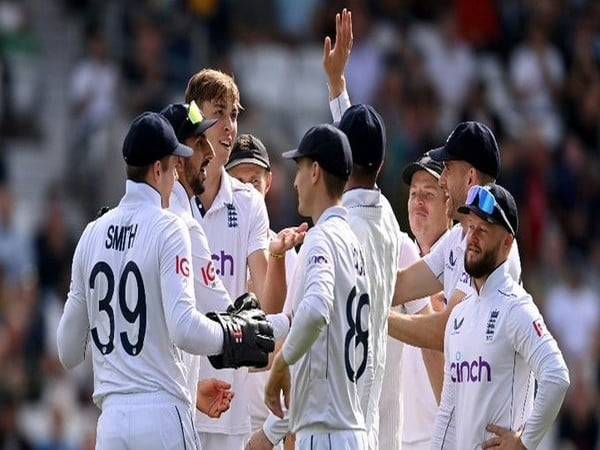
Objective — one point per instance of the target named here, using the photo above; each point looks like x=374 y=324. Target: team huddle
x=210 y=331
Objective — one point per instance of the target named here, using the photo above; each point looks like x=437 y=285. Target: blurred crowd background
x=73 y=73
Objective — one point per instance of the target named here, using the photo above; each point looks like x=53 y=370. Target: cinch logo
x=476 y=371
x=223 y=263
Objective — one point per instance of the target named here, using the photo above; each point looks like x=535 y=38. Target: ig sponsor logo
x=182 y=266
x=208 y=274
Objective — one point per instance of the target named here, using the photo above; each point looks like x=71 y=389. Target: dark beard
x=196 y=185
x=485 y=266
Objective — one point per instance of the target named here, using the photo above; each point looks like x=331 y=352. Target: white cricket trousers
x=337 y=440
x=153 y=421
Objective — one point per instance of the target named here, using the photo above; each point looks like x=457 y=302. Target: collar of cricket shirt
x=180 y=203
x=361 y=197
x=495 y=281
x=225 y=195
x=333 y=211
x=140 y=193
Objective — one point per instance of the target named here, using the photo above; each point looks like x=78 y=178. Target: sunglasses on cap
x=194 y=117
x=481 y=198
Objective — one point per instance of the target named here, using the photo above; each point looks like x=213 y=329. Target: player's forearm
x=416 y=281
x=196 y=334
x=553 y=381
x=72 y=334
x=258 y=266
x=275 y=290
x=418 y=330
x=434 y=363
x=444 y=430
x=338 y=104
x=306 y=328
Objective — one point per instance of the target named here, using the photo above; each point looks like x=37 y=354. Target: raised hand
x=335 y=60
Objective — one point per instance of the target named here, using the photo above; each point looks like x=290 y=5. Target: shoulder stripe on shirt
x=512 y=389
x=529 y=382
x=447 y=426
x=327 y=356
x=181 y=425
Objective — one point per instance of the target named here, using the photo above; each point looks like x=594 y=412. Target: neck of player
x=321 y=204
x=186 y=187
x=358 y=184
x=428 y=238
x=212 y=184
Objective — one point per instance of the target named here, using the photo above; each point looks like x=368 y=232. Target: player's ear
x=155 y=171
x=315 y=172
x=471 y=177
x=269 y=181
x=508 y=241
x=179 y=164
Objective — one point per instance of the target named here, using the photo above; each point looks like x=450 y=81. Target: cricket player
x=250 y=163
x=496 y=344
x=211 y=295
x=421 y=383
x=470 y=157
x=386 y=247
x=328 y=343
x=234 y=218
x=131 y=293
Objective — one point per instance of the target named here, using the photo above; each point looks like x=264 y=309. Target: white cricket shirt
x=256 y=381
x=493 y=342
x=386 y=249
x=329 y=283
x=132 y=295
x=236 y=225
x=417 y=395
x=208 y=289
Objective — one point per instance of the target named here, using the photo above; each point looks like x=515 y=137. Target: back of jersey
x=325 y=393
x=120 y=267
x=373 y=221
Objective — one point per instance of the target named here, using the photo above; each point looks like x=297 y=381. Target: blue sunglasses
x=484 y=200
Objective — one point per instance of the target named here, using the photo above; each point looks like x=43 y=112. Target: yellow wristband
x=277 y=255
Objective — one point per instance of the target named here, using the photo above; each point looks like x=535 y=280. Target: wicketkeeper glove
x=248 y=339
x=244 y=302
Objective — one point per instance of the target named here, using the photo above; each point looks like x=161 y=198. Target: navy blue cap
x=474 y=143
x=150 y=138
x=329 y=147
x=187 y=120
x=507 y=216
x=248 y=149
x=366 y=134
x=426 y=163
